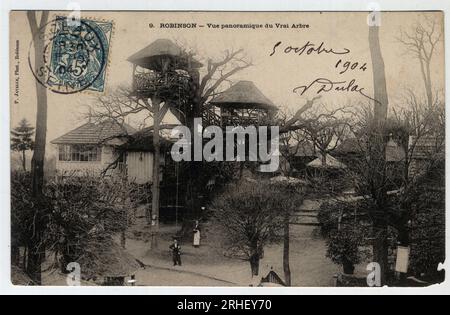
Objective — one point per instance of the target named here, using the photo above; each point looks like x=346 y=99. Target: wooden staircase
x=307 y=214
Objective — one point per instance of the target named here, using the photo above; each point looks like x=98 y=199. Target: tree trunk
x=24 y=258
x=286 y=248
x=349 y=268
x=324 y=158
x=24 y=162
x=428 y=86
x=379 y=76
x=426 y=76
x=156 y=102
x=34 y=261
x=403 y=240
x=380 y=250
x=194 y=167
x=378 y=155
x=35 y=252
x=15 y=255
x=254 y=264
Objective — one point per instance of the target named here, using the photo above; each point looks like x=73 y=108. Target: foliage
x=27 y=212
x=344 y=225
x=21 y=137
x=82 y=214
x=86 y=210
x=344 y=246
x=251 y=214
x=328 y=217
x=331 y=212
x=328 y=181
x=427 y=228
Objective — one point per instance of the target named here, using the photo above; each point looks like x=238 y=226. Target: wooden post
x=156 y=102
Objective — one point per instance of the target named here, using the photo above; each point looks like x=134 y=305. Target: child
x=176 y=252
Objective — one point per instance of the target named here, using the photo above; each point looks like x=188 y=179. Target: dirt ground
x=208 y=266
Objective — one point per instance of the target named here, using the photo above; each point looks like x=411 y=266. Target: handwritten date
x=308 y=49
x=348 y=65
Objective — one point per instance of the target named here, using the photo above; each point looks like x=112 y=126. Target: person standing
x=176 y=252
x=196 y=241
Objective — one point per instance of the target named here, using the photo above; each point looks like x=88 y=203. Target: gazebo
x=159 y=67
x=244 y=104
x=150 y=57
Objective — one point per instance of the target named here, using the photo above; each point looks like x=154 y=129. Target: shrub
x=28 y=214
x=354 y=213
x=251 y=216
x=427 y=233
x=77 y=214
x=344 y=246
x=87 y=212
x=328 y=217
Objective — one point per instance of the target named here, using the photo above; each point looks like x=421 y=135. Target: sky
x=276 y=76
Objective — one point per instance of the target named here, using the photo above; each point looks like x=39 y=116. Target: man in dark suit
x=176 y=252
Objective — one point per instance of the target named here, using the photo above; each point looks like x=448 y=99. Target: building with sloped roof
x=425 y=150
x=243 y=104
x=107 y=147
x=90 y=148
x=354 y=148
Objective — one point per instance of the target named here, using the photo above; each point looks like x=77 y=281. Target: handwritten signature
x=308 y=49
x=323 y=85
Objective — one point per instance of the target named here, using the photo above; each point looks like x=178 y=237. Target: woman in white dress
x=196 y=231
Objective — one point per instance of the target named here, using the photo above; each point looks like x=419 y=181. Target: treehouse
x=244 y=104
x=162 y=68
x=164 y=73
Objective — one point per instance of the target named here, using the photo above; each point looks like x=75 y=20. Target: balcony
x=172 y=85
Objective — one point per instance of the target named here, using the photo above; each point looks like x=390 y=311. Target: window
x=79 y=153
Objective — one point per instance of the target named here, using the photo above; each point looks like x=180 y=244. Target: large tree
x=422 y=42
x=22 y=140
x=377 y=158
x=37 y=162
x=194 y=88
x=251 y=214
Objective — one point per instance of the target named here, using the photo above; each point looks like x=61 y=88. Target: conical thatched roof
x=331 y=162
x=243 y=94
x=162 y=47
x=107 y=259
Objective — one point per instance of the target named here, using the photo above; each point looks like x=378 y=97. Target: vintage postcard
x=227 y=149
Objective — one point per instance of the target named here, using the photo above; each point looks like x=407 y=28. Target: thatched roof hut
x=243 y=94
x=106 y=259
x=148 y=56
x=330 y=163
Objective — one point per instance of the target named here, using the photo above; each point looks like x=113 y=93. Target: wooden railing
x=210 y=118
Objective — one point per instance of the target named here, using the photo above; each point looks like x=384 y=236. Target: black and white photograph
x=211 y=149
